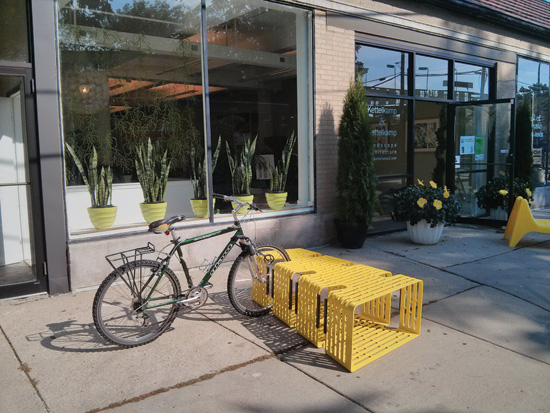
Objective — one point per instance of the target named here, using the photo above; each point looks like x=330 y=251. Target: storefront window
x=470 y=82
x=388 y=119
x=13 y=31
x=382 y=71
x=532 y=89
x=430 y=134
x=131 y=72
x=431 y=77
x=257 y=78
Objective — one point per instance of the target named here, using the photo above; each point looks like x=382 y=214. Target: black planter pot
x=351 y=235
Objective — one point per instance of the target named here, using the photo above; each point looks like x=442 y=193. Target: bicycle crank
x=196 y=297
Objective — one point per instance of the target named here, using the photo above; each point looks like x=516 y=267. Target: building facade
x=88 y=83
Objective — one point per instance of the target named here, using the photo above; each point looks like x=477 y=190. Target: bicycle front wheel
x=122 y=312
x=243 y=272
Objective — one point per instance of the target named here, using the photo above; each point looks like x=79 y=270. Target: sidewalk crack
x=199 y=379
x=24 y=367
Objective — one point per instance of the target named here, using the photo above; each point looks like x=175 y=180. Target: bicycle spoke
x=120 y=313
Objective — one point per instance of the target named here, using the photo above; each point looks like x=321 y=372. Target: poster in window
x=425 y=134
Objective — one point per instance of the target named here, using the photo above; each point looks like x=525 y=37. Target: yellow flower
x=503 y=192
x=433 y=184
x=421 y=202
x=446 y=194
x=530 y=202
x=437 y=204
x=528 y=191
x=420 y=182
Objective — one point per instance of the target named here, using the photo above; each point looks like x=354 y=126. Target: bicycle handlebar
x=235 y=200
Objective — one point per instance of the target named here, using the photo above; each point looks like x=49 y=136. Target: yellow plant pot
x=200 y=207
x=276 y=200
x=102 y=217
x=243 y=198
x=153 y=212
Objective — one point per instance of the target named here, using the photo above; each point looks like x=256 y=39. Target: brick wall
x=334 y=68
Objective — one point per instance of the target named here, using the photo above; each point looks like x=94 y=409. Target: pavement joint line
x=327 y=386
x=449 y=296
x=472 y=280
x=183 y=384
x=278 y=353
x=486 y=341
x=25 y=369
x=499 y=254
x=498 y=289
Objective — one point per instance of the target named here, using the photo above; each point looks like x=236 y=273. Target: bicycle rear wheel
x=121 y=313
x=243 y=271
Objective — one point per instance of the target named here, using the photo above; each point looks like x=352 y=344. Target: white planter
x=422 y=233
x=499 y=213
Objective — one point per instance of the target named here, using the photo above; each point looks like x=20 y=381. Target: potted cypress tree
x=356 y=179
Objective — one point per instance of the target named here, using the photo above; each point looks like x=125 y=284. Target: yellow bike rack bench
x=314 y=289
x=354 y=338
x=344 y=307
x=262 y=293
x=286 y=276
x=521 y=222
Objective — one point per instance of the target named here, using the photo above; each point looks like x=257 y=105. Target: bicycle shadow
x=267 y=330
x=71 y=336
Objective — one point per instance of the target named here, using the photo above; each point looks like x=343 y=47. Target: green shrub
x=356 y=178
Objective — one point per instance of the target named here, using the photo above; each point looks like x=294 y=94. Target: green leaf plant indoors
x=102 y=213
x=241 y=167
x=356 y=179
x=276 y=197
x=152 y=169
x=199 y=202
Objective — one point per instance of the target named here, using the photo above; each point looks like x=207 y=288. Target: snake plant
x=241 y=167
x=99 y=185
x=152 y=171
x=280 y=172
x=198 y=170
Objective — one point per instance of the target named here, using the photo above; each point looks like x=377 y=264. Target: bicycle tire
x=116 y=309
x=239 y=282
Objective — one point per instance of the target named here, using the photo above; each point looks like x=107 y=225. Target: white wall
x=126 y=197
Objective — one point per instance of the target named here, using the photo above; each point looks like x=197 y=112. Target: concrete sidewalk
x=484 y=345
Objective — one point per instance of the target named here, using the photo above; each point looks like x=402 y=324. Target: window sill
x=220 y=219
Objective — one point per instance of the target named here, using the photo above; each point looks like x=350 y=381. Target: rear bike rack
x=117 y=259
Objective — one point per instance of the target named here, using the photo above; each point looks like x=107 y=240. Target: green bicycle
x=140 y=299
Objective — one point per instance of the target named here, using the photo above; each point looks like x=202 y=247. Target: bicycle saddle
x=163 y=225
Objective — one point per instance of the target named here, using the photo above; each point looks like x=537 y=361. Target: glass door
x=20 y=229
x=482 y=151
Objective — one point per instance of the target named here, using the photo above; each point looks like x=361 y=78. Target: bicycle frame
x=237 y=236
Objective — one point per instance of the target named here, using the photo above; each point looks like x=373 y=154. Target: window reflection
x=256 y=77
x=13 y=31
x=382 y=71
x=470 y=82
x=533 y=89
x=131 y=71
x=431 y=77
